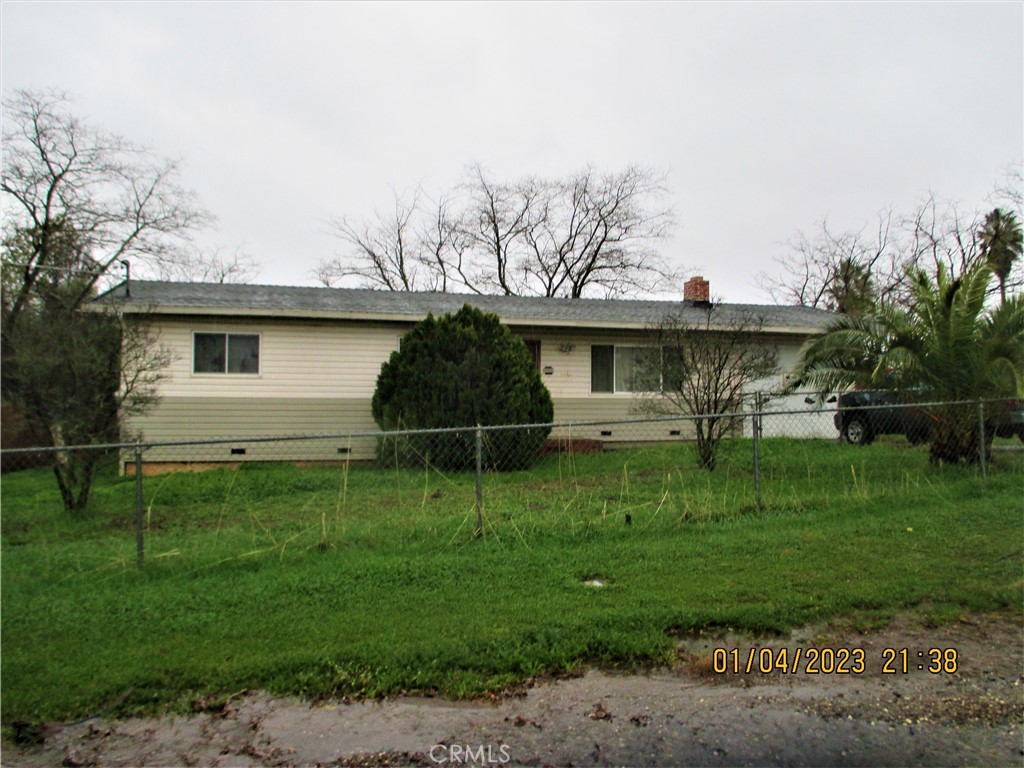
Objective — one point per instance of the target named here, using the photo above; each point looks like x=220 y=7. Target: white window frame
x=227 y=334
x=615 y=361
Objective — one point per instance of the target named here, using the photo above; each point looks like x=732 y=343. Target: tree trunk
x=74 y=475
x=955 y=437
x=707 y=445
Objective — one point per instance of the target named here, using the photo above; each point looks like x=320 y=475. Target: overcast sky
x=766 y=116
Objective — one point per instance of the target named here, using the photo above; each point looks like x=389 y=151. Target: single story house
x=257 y=360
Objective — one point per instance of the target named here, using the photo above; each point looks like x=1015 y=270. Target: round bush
x=462 y=370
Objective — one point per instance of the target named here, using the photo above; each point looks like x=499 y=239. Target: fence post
x=981 y=438
x=479 y=483
x=139 y=542
x=757 y=449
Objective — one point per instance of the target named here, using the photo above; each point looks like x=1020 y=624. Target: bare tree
x=942 y=238
x=212 y=267
x=73 y=374
x=839 y=270
x=1009 y=193
x=383 y=249
x=417 y=246
x=542 y=237
x=829 y=269
x=594 y=230
x=705 y=361
x=445 y=247
x=119 y=198
x=79 y=202
x=495 y=222
x=620 y=222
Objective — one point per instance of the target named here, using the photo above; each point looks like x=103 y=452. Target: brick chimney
x=697 y=289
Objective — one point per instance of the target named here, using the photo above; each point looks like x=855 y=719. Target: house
x=255 y=360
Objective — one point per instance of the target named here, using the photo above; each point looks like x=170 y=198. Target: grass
x=357 y=581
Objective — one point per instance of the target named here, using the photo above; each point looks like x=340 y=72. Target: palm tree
x=946 y=346
x=1001 y=244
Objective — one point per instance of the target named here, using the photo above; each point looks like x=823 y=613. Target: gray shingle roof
x=296 y=301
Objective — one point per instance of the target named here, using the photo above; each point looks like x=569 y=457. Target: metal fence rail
x=755 y=448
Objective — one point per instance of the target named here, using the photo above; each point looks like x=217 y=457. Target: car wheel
x=857 y=432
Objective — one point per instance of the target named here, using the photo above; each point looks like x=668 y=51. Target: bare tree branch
x=705 y=367
x=77 y=203
x=212 y=267
x=382 y=250
x=120 y=199
x=495 y=221
x=837 y=270
x=829 y=268
x=570 y=237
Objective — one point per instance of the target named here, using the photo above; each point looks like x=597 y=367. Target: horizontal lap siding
x=297 y=359
x=565 y=370
x=315 y=378
x=565 y=359
x=207 y=418
x=319 y=377
x=183 y=418
x=363 y=449
x=571 y=411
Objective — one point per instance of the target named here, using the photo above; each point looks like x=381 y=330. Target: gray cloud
x=767 y=116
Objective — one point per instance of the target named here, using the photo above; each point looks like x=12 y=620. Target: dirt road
x=687 y=715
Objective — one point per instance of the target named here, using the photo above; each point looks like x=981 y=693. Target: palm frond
x=945 y=342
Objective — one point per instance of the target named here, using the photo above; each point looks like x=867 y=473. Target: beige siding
x=578 y=413
x=208 y=418
x=297 y=359
x=319 y=377
x=185 y=418
x=567 y=354
x=342 y=360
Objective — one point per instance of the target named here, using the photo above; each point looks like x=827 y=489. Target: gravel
x=684 y=715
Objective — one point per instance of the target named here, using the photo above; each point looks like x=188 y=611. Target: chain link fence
x=511 y=481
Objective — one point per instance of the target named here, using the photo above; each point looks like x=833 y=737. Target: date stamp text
x=832 y=661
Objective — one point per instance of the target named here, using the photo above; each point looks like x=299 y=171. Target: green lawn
x=364 y=581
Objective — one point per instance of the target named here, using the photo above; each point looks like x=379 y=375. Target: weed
x=249 y=582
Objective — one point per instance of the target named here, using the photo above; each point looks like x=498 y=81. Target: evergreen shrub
x=462 y=370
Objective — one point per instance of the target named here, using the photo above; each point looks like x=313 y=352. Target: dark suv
x=861 y=416
x=1011 y=420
